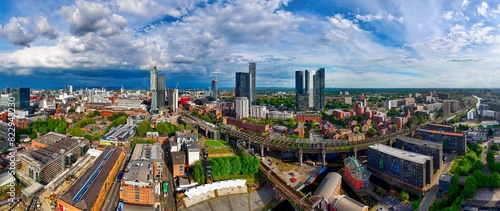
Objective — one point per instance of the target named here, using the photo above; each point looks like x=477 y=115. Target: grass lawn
x=218 y=142
x=251 y=179
x=218 y=150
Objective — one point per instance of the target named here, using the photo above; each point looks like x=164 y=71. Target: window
x=137 y=193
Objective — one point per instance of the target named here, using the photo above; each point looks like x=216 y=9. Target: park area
x=216 y=143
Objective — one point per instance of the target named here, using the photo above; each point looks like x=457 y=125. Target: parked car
x=293 y=179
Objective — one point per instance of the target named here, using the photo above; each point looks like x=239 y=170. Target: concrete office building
x=411 y=171
x=422 y=147
x=252 y=67
x=452 y=141
x=21 y=97
x=153 y=83
x=160 y=91
x=258 y=112
x=215 y=89
x=51 y=155
x=319 y=89
x=173 y=99
x=241 y=107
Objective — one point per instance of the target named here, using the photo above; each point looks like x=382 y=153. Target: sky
x=361 y=44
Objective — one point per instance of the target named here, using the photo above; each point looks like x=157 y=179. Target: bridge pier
x=323 y=153
x=300 y=157
x=262 y=150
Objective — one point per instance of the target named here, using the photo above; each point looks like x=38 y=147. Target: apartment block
x=422 y=147
x=452 y=141
x=411 y=171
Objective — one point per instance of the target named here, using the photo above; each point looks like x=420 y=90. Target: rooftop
x=346 y=203
x=458 y=134
x=139 y=172
x=441 y=125
x=409 y=156
x=419 y=142
x=147 y=152
x=327 y=187
x=87 y=188
x=357 y=170
x=178 y=157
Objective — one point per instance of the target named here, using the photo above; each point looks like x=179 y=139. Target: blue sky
x=384 y=43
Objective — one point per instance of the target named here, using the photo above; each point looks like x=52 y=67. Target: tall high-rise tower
x=301 y=97
x=242 y=85
x=153 y=78
x=173 y=98
x=160 y=89
x=215 y=89
x=319 y=89
x=309 y=88
x=253 y=95
x=22 y=97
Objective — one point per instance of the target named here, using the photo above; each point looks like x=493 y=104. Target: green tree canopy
x=144 y=127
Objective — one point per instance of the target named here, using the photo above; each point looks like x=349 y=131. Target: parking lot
x=393 y=203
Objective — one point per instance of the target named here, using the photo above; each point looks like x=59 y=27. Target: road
x=429 y=197
x=484 y=145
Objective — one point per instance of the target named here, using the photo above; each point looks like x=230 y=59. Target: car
x=293 y=179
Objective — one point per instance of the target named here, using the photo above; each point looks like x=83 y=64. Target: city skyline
x=381 y=44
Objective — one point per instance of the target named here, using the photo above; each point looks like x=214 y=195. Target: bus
x=165 y=189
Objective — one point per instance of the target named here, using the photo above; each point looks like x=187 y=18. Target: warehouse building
x=453 y=142
x=52 y=154
x=90 y=190
x=141 y=181
x=118 y=136
x=410 y=171
x=422 y=147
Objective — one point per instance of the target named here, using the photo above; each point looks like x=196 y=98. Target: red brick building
x=308 y=117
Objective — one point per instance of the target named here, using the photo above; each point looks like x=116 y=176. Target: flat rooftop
x=405 y=155
x=419 y=142
x=148 y=152
x=457 y=134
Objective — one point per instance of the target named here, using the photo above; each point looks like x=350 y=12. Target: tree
x=235 y=165
x=403 y=196
x=395 y=127
x=372 y=131
x=96 y=136
x=144 y=127
x=477 y=166
x=453 y=190
x=494 y=147
x=494 y=180
x=226 y=166
x=313 y=123
x=470 y=187
x=199 y=173
x=71 y=110
x=481 y=178
x=245 y=163
x=162 y=128
x=216 y=166
x=490 y=132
